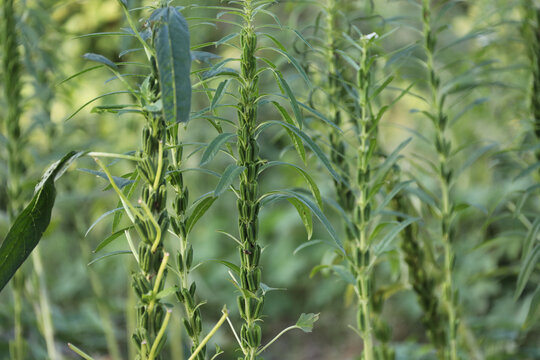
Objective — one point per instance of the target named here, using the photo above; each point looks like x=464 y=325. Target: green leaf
x=219 y=93
x=120 y=181
x=171 y=40
x=383 y=245
x=228 y=264
x=215 y=146
x=533 y=309
x=230 y=173
x=166 y=292
x=530 y=239
x=111 y=238
x=306 y=322
x=101 y=217
x=383 y=169
x=113 y=253
x=94 y=99
x=286 y=194
x=100 y=59
x=526 y=269
x=314 y=147
x=29 y=226
x=305 y=215
x=311 y=183
x=298 y=144
x=199 y=211
x=527 y=171
x=294 y=103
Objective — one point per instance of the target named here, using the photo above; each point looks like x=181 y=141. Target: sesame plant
x=164 y=99
x=248 y=165
x=440 y=99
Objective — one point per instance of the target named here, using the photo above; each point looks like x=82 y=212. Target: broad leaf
x=171 y=40
x=306 y=322
x=29 y=226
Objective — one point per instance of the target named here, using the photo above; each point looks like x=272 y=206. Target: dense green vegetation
x=226 y=173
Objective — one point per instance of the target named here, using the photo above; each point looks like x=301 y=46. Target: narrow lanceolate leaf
x=305 y=214
x=531 y=261
x=171 y=40
x=29 y=226
x=199 y=211
x=533 y=309
x=231 y=172
x=386 y=241
x=214 y=147
x=100 y=59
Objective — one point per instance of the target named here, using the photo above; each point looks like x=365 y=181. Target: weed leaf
x=29 y=226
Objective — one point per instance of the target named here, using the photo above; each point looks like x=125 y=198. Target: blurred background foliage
x=53 y=39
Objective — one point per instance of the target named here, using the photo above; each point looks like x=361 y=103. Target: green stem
x=186 y=293
x=443 y=148
x=250 y=303
x=45 y=308
x=210 y=334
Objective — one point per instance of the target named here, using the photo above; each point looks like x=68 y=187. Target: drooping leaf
x=171 y=40
x=286 y=194
x=298 y=144
x=310 y=143
x=100 y=59
x=385 y=242
x=29 y=226
x=311 y=183
x=305 y=215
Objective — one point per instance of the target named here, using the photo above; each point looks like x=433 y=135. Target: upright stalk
x=362 y=267
x=184 y=260
x=424 y=284
x=443 y=147
x=151 y=223
x=251 y=300
x=12 y=68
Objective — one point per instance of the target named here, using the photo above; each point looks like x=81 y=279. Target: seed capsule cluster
x=151 y=224
x=251 y=302
x=184 y=257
